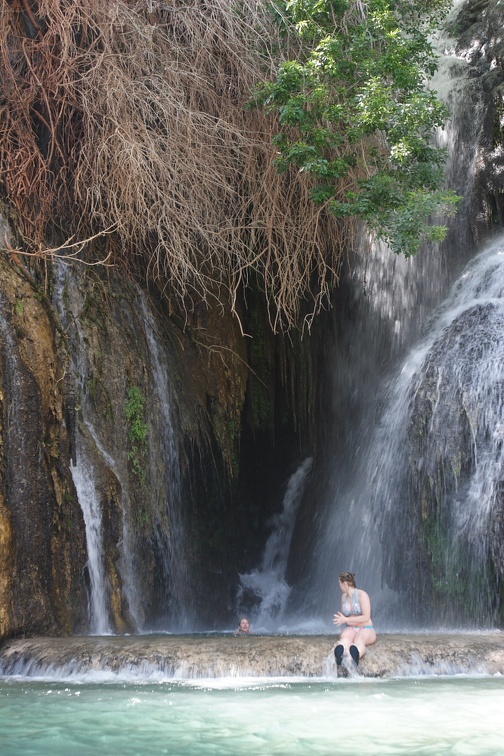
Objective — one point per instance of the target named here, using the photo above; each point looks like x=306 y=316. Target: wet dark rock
x=478 y=29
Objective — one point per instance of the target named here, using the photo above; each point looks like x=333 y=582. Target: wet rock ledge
x=203 y=656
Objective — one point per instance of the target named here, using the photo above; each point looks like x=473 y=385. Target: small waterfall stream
x=266 y=585
x=83 y=477
x=83 y=471
x=169 y=528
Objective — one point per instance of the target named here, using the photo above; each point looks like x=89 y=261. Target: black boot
x=338 y=653
x=354 y=653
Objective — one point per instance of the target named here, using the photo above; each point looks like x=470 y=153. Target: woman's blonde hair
x=348 y=577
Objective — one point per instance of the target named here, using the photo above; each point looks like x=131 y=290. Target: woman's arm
x=339 y=618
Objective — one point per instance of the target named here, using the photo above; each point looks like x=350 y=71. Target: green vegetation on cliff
x=138 y=430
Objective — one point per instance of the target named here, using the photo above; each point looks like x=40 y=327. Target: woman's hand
x=339 y=619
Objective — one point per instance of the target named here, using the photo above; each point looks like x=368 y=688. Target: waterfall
x=427 y=494
x=83 y=478
x=444 y=438
x=266 y=585
x=367 y=518
x=169 y=529
x=82 y=468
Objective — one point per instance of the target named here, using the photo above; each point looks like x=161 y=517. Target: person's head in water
x=244 y=626
x=348 y=578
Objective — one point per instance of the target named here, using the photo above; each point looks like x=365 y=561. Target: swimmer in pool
x=355 y=618
x=244 y=627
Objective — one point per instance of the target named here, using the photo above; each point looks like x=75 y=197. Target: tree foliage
x=356 y=114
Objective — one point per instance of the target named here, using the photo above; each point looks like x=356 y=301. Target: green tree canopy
x=356 y=114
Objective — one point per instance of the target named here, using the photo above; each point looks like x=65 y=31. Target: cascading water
x=83 y=477
x=266 y=586
x=427 y=496
x=169 y=528
x=442 y=456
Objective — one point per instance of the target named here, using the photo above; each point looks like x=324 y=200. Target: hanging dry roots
x=132 y=115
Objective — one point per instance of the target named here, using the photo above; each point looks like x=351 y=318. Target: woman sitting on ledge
x=356 y=615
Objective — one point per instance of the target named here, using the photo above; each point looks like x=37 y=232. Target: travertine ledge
x=200 y=656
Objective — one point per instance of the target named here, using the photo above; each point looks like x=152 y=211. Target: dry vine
x=132 y=114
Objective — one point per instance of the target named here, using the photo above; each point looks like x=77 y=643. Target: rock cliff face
x=42 y=532
x=158 y=424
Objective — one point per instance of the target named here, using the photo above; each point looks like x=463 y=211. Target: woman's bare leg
x=363 y=638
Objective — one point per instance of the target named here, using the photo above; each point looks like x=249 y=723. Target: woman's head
x=348 y=577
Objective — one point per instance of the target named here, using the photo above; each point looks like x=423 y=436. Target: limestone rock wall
x=41 y=527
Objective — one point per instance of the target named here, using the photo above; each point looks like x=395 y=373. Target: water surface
x=260 y=716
